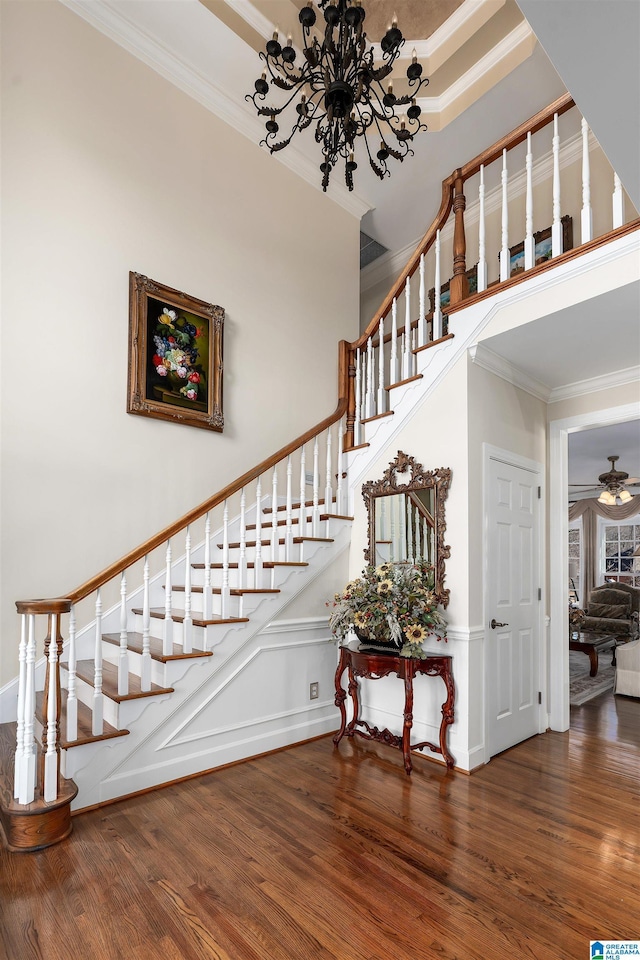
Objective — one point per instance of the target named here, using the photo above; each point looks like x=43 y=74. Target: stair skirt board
x=249 y=697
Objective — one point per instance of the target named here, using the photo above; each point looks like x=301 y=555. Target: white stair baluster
x=556 y=227
x=187 y=623
x=407 y=356
x=422 y=319
x=393 y=359
x=328 y=487
x=586 y=217
x=225 y=590
x=505 y=264
x=28 y=759
x=275 y=548
x=340 y=505
x=72 y=699
x=315 y=510
x=50 y=786
x=357 y=426
x=482 y=237
x=22 y=680
x=302 y=510
x=167 y=623
x=288 y=526
x=529 y=242
x=242 y=558
x=618 y=202
x=207 y=599
x=145 y=660
x=258 y=568
x=381 y=400
x=369 y=403
x=97 y=705
x=123 y=658
x=437 y=313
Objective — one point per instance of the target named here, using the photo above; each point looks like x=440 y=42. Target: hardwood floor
x=322 y=853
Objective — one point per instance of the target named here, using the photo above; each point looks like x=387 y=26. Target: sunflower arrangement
x=392 y=604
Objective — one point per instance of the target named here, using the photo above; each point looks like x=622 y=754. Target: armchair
x=628 y=669
x=614 y=608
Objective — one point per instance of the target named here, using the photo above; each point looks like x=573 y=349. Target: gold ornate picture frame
x=175 y=355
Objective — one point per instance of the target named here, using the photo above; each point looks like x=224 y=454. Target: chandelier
x=338 y=89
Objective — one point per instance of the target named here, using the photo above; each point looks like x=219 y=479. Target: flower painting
x=175 y=355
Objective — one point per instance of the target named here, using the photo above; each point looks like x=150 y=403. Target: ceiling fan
x=612 y=484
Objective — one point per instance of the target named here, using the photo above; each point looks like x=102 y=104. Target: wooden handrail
x=54 y=605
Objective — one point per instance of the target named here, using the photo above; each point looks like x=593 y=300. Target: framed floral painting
x=175 y=355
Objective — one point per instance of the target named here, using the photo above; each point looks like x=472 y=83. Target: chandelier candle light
x=339 y=89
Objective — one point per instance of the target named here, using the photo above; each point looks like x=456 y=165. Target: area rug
x=582 y=687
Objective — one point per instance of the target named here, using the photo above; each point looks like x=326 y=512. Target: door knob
x=494 y=624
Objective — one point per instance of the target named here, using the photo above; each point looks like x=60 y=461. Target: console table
x=373 y=665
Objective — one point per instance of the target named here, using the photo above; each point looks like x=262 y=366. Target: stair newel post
x=529 y=242
x=22 y=680
x=357 y=426
x=369 y=401
x=505 y=264
x=275 y=549
x=556 y=227
x=72 y=699
x=242 y=557
x=206 y=583
x=97 y=706
x=586 y=216
x=618 y=202
x=328 y=486
x=123 y=659
x=483 y=277
x=393 y=359
x=422 y=318
x=315 y=514
x=437 y=312
x=145 y=664
x=381 y=400
x=459 y=287
x=167 y=623
x=225 y=592
x=407 y=356
x=51 y=726
x=187 y=623
x=258 y=568
x=288 y=523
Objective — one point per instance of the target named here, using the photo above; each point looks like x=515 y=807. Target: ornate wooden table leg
x=447 y=714
x=408 y=718
x=341 y=696
x=354 y=694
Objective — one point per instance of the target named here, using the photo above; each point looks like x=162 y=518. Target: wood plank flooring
x=338 y=855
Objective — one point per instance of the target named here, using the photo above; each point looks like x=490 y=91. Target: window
x=620 y=541
x=575 y=542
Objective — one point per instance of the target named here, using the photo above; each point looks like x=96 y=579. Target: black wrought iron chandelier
x=340 y=90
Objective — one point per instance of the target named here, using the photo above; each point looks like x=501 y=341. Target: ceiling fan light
x=625 y=496
x=607 y=498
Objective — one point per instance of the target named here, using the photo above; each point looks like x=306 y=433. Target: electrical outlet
x=314 y=691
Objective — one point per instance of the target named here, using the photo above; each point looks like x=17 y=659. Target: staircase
x=148 y=682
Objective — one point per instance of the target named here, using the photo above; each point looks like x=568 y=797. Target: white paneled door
x=513 y=605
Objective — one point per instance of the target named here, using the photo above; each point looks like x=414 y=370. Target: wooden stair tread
x=296 y=506
x=377 y=416
x=401 y=383
x=85 y=718
x=234 y=591
x=357 y=446
x=134 y=642
x=85 y=670
x=178 y=615
x=434 y=343
x=267 y=564
x=267 y=543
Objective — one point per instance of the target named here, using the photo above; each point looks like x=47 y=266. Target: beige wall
x=106 y=168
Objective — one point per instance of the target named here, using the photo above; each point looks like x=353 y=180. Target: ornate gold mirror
x=406 y=518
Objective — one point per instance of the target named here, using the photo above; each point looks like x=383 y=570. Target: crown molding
x=605 y=382
x=502 y=368
x=164 y=60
